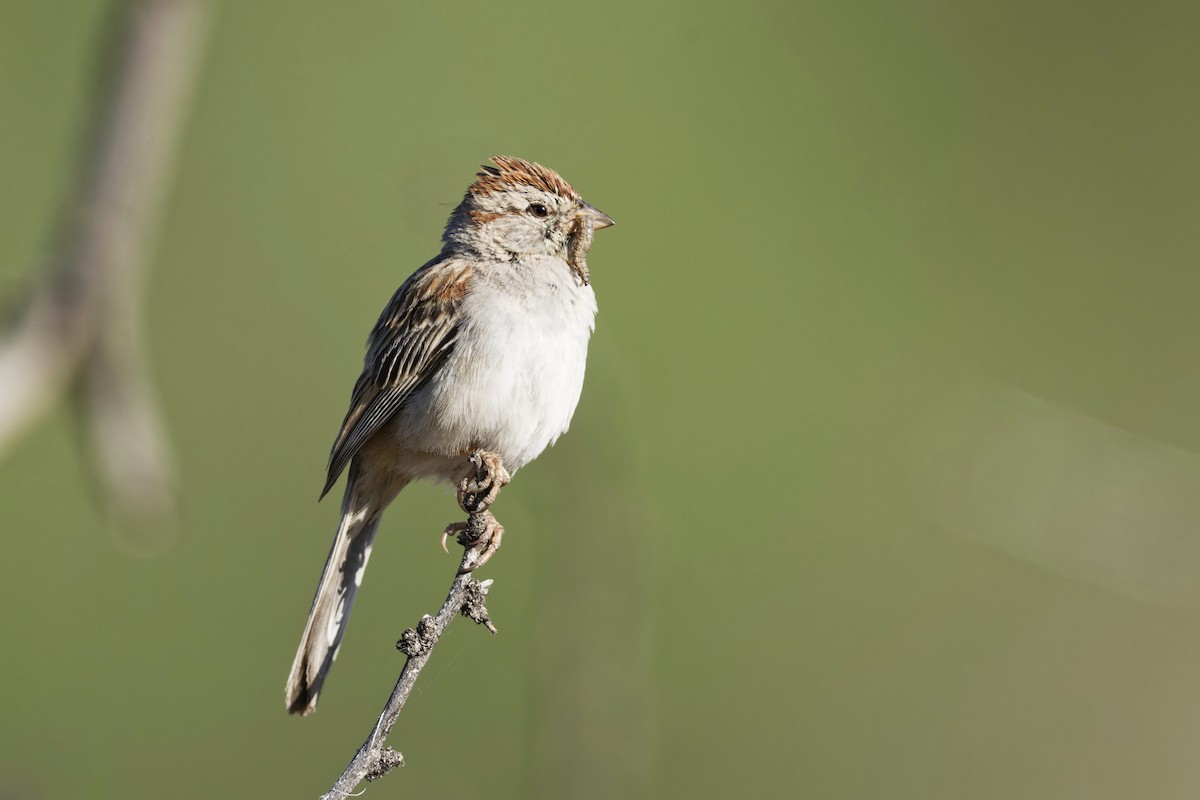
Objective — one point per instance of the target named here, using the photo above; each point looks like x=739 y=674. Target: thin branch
x=80 y=325
x=373 y=760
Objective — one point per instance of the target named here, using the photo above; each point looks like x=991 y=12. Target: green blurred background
x=884 y=482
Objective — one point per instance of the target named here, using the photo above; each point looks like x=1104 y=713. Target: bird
x=474 y=367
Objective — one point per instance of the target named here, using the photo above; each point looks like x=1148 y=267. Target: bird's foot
x=490 y=538
x=477 y=492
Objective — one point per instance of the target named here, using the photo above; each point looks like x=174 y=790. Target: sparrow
x=474 y=367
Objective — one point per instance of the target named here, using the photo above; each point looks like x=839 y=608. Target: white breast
x=514 y=378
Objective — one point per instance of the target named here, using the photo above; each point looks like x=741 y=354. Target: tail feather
x=340 y=581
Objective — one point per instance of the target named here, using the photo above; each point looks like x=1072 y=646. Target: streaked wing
x=414 y=334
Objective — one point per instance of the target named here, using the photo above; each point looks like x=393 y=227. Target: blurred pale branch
x=466 y=597
x=79 y=328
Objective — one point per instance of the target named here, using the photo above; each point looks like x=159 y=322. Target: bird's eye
x=538 y=210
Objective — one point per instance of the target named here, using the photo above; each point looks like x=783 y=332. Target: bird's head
x=519 y=208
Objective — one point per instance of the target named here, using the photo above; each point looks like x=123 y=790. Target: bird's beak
x=594 y=215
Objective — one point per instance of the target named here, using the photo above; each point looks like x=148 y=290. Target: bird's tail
x=362 y=509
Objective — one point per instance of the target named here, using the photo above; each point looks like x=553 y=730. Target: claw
x=477 y=492
x=453 y=529
x=492 y=534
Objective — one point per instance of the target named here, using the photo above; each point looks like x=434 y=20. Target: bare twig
x=374 y=760
x=80 y=325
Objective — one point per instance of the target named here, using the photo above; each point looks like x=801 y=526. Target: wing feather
x=415 y=333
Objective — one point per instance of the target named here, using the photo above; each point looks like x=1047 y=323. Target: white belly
x=514 y=378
